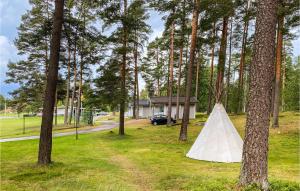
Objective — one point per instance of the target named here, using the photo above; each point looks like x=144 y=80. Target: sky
x=10 y=17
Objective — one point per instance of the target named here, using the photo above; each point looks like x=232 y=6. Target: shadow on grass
x=114 y=136
x=35 y=172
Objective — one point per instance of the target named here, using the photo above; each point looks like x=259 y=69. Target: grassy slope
x=147 y=158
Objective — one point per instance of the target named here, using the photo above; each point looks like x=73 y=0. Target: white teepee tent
x=218 y=141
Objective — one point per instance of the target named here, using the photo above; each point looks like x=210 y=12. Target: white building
x=159 y=105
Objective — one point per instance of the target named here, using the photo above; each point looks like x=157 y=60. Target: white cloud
x=296 y=47
x=7 y=52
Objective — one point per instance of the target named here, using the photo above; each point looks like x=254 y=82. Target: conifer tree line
x=91 y=54
x=91 y=40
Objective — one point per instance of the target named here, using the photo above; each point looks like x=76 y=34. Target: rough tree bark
x=186 y=112
x=45 y=144
x=211 y=70
x=254 y=167
x=278 y=72
x=171 y=66
x=222 y=60
x=123 y=75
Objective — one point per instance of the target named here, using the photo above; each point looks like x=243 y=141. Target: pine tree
x=211 y=68
x=154 y=66
x=243 y=55
x=138 y=15
x=185 y=119
x=288 y=10
x=255 y=151
x=45 y=145
x=221 y=61
x=33 y=40
x=182 y=35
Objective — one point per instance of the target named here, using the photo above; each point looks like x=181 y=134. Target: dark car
x=160 y=120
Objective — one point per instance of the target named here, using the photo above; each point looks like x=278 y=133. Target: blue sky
x=10 y=16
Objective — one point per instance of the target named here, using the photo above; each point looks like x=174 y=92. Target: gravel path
x=106 y=125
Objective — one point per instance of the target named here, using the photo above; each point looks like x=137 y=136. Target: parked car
x=102 y=113
x=160 y=120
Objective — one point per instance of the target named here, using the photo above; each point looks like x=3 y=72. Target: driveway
x=106 y=125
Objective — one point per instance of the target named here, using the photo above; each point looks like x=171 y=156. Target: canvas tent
x=218 y=141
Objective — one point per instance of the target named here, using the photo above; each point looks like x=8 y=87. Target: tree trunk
x=157 y=63
x=186 y=112
x=135 y=92
x=197 y=76
x=78 y=107
x=134 y=100
x=123 y=75
x=45 y=144
x=46 y=58
x=68 y=88
x=229 y=67
x=222 y=60
x=74 y=87
x=186 y=60
x=211 y=70
x=137 y=96
x=283 y=78
x=242 y=63
x=78 y=112
x=179 y=82
x=180 y=59
x=47 y=43
x=254 y=169
x=171 y=66
x=278 y=72
x=55 y=111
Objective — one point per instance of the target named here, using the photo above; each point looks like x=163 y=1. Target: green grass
x=147 y=158
x=13 y=127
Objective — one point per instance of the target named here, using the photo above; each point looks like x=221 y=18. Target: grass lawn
x=13 y=127
x=147 y=158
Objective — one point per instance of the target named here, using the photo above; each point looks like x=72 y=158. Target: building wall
x=147 y=112
x=181 y=108
x=144 y=112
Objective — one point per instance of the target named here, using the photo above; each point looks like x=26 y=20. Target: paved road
x=106 y=125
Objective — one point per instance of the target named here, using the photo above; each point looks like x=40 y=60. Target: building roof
x=142 y=102
x=164 y=100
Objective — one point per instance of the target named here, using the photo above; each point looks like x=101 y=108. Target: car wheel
x=155 y=123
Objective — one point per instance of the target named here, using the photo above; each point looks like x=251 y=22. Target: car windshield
x=159 y=116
